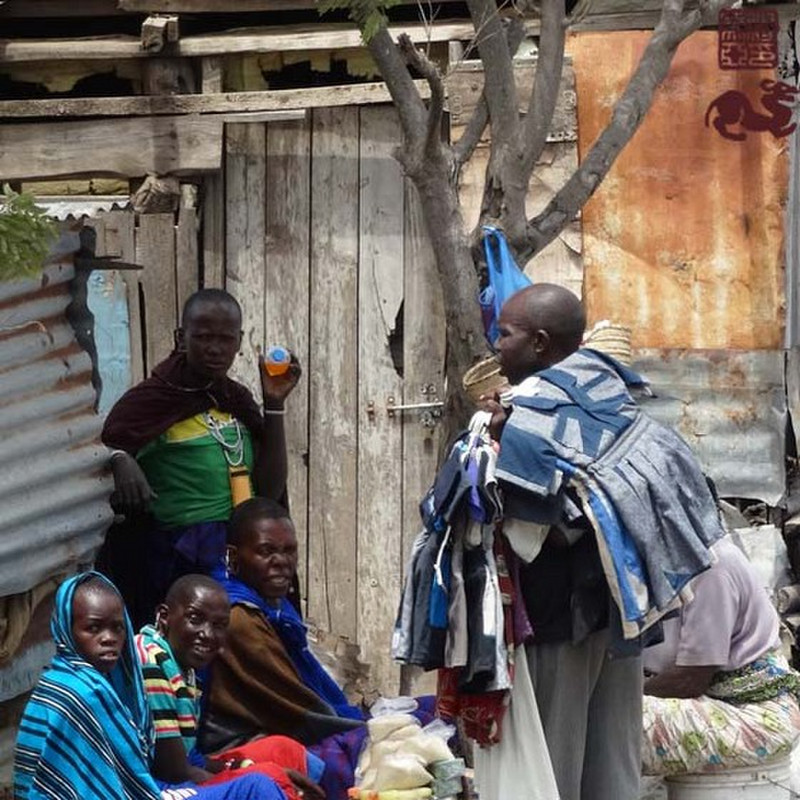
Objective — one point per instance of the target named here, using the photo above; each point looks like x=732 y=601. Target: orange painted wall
x=683 y=241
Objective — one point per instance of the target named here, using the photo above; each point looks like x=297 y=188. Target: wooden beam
x=59 y=8
x=275 y=102
x=253 y=40
x=211 y=6
x=128 y=147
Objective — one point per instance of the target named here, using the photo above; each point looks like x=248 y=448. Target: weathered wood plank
x=216 y=102
x=323 y=36
x=155 y=251
x=332 y=371
x=245 y=198
x=129 y=147
x=213 y=196
x=59 y=8
x=423 y=381
x=286 y=299
x=187 y=267
x=380 y=304
x=423 y=363
x=216 y=6
x=465 y=85
x=213 y=6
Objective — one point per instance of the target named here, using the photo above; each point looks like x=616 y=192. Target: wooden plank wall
x=346 y=259
x=166 y=246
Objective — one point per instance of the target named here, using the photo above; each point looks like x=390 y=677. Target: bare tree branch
x=432 y=142
x=546 y=84
x=465 y=147
x=401 y=86
x=499 y=86
x=673 y=27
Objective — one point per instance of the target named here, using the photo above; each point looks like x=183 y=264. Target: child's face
x=211 y=338
x=266 y=559
x=98 y=627
x=196 y=627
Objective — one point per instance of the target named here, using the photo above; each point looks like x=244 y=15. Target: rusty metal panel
x=53 y=486
x=731 y=408
x=683 y=241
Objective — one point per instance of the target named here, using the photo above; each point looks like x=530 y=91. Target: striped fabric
x=84 y=736
x=173 y=696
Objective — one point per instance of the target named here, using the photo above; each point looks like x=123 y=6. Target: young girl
x=86 y=733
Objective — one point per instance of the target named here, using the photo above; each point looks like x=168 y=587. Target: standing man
x=612 y=515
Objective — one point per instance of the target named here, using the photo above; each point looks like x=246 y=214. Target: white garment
x=519 y=766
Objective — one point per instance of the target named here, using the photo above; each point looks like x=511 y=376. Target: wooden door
x=327 y=251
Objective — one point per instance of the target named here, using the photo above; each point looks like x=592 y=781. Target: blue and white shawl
x=84 y=736
x=575 y=425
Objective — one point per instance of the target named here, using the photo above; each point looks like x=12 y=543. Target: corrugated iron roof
x=731 y=408
x=79 y=206
x=53 y=487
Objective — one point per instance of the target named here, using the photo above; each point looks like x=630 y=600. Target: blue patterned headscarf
x=85 y=735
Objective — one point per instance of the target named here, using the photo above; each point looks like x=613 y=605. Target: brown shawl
x=255 y=690
x=172 y=393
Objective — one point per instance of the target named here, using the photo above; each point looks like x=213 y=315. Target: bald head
x=539 y=326
x=552 y=308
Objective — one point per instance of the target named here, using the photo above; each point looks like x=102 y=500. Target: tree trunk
x=466 y=343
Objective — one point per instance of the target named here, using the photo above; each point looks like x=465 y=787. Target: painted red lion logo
x=734 y=108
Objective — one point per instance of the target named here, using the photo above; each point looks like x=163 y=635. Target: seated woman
x=86 y=733
x=190 y=629
x=719 y=693
x=266 y=680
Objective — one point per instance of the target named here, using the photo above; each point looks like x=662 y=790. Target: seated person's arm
x=680 y=682
x=707 y=623
x=172 y=765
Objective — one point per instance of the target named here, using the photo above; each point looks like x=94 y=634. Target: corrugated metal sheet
x=731 y=408
x=683 y=240
x=79 y=206
x=53 y=489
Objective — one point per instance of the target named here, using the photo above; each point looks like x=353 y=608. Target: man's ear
x=541 y=341
x=178 y=337
x=232 y=559
x=162 y=612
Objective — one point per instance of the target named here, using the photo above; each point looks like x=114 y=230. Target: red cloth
x=272 y=755
x=170 y=395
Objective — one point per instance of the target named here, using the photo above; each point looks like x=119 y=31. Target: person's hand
x=276 y=388
x=491 y=403
x=305 y=786
x=132 y=493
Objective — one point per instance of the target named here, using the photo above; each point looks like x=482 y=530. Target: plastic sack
x=505 y=279
x=386 y=724
x=429 y=748
x=393 y=705
x=438 y=727
x=401 y=772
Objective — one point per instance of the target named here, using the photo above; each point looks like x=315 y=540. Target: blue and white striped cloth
x=576 y=425
x=84 y=736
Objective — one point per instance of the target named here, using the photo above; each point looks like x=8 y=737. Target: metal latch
x=431 y=410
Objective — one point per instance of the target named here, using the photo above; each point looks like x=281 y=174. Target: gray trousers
x=591 y=710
